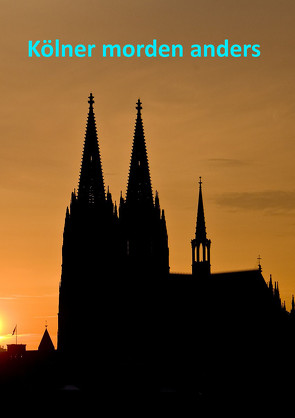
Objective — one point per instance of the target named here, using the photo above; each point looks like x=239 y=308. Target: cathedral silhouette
x=126 y=324
x=151 y=329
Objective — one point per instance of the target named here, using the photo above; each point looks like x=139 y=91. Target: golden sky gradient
x=229 y=120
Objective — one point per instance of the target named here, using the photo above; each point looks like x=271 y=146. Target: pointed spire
x=277 y=296
x=157 y=202
x=46 y=344
x=91 y=185
x=73 y=196
x=67 y=222
x=200 y=227
x=121 y=205
x=270 y=286
x=201 y=266
x=139 y=189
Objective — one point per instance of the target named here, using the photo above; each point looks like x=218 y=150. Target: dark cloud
x=274 y=201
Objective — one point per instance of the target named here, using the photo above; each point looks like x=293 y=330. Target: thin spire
x=270 y=286
x=157 y=202
x=139 y=189
x=200 y=227
x=91 y=184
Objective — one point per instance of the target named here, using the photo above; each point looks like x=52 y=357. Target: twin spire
x=139 y=194
x=91 y=184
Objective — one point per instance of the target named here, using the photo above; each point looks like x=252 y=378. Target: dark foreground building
x=152 y=329
x=147 y=329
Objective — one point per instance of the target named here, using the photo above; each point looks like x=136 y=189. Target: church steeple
x=91 y=185
x=200 y=225
x=139 y=189
x=200 y=244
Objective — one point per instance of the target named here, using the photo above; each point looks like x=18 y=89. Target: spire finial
x=259 y=262
x=200 y=181
x=138 y=105
x=91 y=100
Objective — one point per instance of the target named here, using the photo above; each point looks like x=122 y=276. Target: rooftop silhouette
x=152 y=329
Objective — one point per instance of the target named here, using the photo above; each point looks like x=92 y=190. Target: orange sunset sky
x=229 y=120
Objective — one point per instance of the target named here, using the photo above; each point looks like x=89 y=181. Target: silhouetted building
x=110 y=260
x=16 y=351
x=46 y=344
x=148 y=327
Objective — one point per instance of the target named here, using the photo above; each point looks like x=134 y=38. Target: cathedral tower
x=88 y=241
x=144 y=245
x=144 y=256
x=200 y=244
x=112 y=267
